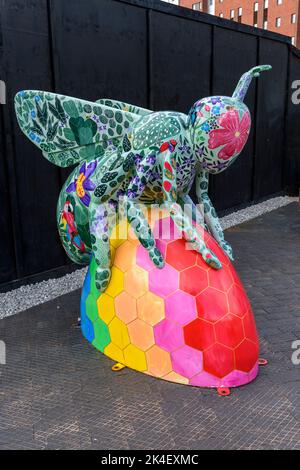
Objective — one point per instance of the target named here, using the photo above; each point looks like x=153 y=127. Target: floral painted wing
x=69 y=130
x=157 y=128
x=124 y=107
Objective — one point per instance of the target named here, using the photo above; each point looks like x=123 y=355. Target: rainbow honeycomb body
x=186 y=323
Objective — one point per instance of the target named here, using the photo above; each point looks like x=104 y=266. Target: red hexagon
x=230 y=331
x=179 y=257
x=238 y=301
x=220 y=279
x=218 y=360
x=250 y=327
x=212 y=304
x=193 y=280
x=199 y=334
x=246 y=355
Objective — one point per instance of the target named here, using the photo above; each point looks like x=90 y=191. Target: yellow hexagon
x=135 y=358
x=125 y=256
x=125 y=306
x=141 y=334
x=118 y=333
x=136 y=282
x=115 y=353
x=151 y=308
x=119 y=234
x=106 y=308
x=116 y=285
x=159 y=361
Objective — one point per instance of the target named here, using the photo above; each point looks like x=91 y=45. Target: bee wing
x=69 y=130
x=124 y=106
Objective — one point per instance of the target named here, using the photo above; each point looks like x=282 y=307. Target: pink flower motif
x=233 y=135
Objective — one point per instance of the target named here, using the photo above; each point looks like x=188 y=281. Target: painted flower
x=83 y=184
x=233 y=136
x=205 y=127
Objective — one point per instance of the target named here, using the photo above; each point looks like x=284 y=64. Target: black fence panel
x=35 y=185
x=180 y=64
x=292 y=127
x=270 y=120
x=234 y=53
x=148 y=53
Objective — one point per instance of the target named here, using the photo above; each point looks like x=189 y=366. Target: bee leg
x=140 y=225
x=99 y=230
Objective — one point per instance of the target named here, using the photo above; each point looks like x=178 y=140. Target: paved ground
x=57 y=392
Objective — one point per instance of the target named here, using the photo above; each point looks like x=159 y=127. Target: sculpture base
x=185 y=323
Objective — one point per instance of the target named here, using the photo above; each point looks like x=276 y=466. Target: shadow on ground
x=58 y=392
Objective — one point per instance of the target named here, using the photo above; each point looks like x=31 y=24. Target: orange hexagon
x=159 y=361
x=141 y=334
x=151 y=308
x=125 y=306
x=125 y=256
x=229 y=331
x=136 y=282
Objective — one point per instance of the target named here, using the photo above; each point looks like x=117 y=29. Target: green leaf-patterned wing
x=156 y=128
x=68 y=130
x=124 y=106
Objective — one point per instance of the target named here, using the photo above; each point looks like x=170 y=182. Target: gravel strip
x=28 y=296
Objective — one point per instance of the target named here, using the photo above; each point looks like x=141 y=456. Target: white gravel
x=31 y=295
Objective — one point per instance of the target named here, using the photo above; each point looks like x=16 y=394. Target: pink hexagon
x=204 y=379
x=163 y=281
x=165 y=229
x=143 y=260
x=181 y=308
x=187 y=361
x=168 y=335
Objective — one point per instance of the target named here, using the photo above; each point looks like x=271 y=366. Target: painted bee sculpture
x=124 y=151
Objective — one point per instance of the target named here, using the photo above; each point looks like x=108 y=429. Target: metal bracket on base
x=223 y=391
x=117 y=367
x=263 y=362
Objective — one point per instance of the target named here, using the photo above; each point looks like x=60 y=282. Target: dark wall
x=148 y=53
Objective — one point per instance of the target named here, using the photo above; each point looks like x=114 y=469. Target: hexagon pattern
x=185 y=323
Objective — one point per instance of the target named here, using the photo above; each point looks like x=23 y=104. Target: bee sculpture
x=124 y=151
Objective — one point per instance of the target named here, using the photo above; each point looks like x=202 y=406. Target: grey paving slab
x=58 y=392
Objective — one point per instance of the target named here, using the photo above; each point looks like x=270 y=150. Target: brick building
x=280 y=16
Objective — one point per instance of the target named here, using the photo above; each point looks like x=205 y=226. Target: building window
x=232 y=14
x=293 y=40
x=256 y=6
x=265 y=15
x=265 y=25
x=240 y=12
x=197 y=6
x=293 y=18
x=279 y=2
x=255 y=19
x=278 y=22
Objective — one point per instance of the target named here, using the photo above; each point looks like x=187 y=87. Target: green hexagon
x=102 y=336
x=91 y=308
